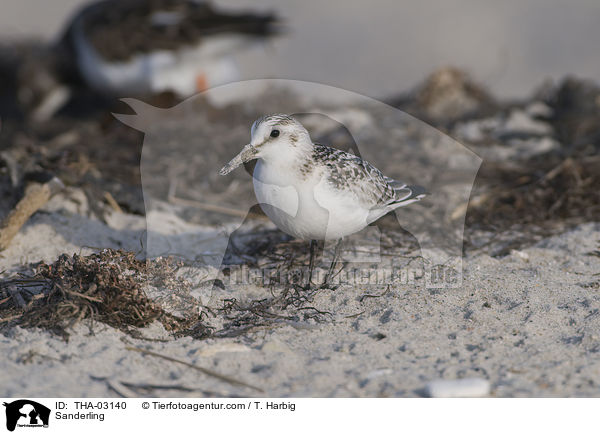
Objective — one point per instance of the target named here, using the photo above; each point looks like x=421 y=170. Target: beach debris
x=446 y=96
x=116 y=386
x=450 y=93
x=112 y=202
x=209 y=372
x=36 y=196
x=547 y=160
x=115 y=288
x=40 y=88
x=128 y=389
x=576 y=106
x=460 y=388
x=560 y=190
x=107 y=287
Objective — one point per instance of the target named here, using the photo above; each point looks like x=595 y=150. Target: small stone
x=519 y=254
x=519 y=121
x=539 y=109
x=461 y=388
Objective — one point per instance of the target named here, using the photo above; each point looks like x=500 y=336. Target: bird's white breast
x=306 y=207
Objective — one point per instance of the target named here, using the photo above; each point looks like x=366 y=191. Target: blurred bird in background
x=142 y=48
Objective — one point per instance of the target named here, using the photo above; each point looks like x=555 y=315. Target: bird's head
x=271 y=137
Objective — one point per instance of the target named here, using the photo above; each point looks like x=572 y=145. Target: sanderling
x=140 y=47
x=312 y=191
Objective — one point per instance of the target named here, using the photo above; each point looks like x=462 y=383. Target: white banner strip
x=148 y=415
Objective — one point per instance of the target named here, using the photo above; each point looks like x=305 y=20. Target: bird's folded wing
x=358 y=177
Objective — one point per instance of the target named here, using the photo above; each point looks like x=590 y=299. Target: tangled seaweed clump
x=107 y=287
x=113 y=287
x=556 y=190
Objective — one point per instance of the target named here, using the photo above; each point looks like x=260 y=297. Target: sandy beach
x=524 y=318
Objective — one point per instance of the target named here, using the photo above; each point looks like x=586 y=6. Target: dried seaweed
x=106 y=287
x=553 y=191
x=110 y=287
x=209 y=372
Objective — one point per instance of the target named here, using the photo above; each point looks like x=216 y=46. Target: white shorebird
x=312 y=191
x=141 y=47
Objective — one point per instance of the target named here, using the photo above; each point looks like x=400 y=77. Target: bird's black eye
x=275 y=133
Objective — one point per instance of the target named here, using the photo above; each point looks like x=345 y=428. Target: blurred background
x=384 y=47
x=513 y=81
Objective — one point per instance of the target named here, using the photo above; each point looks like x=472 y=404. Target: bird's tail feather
x=408 y=194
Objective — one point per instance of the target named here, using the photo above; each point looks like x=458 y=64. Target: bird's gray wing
x=371 y=188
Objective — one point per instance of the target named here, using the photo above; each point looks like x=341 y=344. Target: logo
x=26 y=413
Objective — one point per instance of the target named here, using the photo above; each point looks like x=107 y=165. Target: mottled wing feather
x=351 y=173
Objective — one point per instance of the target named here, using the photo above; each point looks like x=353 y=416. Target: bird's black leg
x=334 y=261
x=311 y=262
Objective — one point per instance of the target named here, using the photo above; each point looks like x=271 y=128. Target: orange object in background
x=201 y=82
